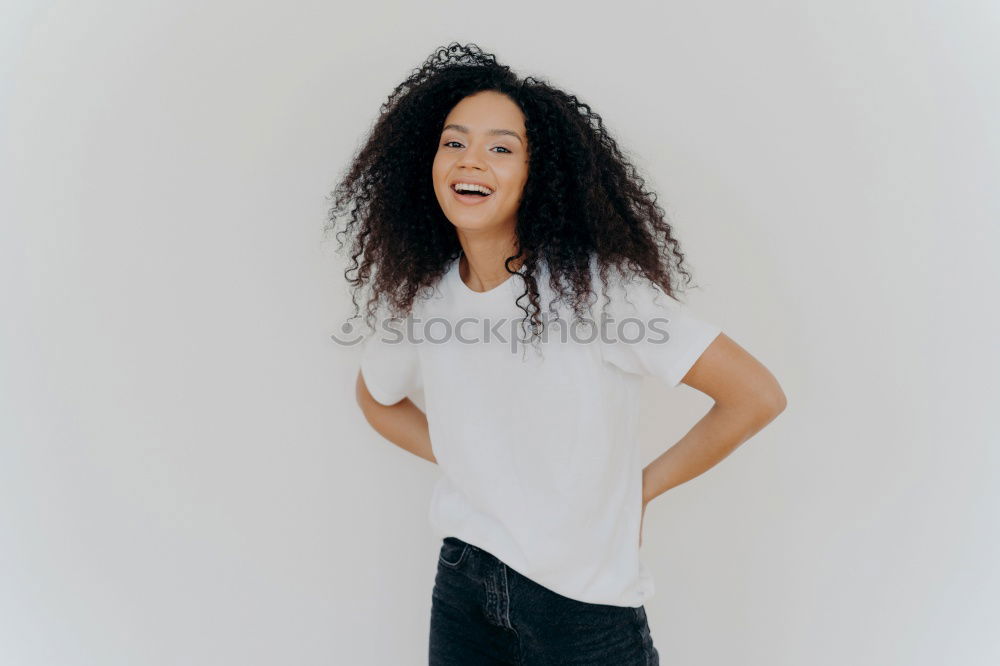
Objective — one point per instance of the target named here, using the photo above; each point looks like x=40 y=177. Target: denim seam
x=510 y=625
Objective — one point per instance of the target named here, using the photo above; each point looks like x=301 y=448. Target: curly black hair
x=583 y=199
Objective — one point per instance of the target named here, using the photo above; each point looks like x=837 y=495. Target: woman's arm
x=403 y=423
x=747 y=398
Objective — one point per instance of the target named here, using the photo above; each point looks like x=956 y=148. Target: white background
x=185 y=477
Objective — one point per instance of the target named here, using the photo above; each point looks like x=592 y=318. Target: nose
x=470 y=158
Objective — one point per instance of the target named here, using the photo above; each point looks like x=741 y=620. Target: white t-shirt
x=538 y=453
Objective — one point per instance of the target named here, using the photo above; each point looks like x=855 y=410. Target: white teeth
x=466 y=187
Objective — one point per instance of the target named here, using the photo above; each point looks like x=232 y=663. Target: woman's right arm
x=403 y=423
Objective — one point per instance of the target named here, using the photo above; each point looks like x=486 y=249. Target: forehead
x=487 y=110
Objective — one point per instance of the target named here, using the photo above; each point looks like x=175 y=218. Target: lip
x=469 y=199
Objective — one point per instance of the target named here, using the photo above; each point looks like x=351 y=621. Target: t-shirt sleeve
x=647 y=332
x=390 y=365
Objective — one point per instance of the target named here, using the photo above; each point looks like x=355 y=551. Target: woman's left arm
x=747 y=398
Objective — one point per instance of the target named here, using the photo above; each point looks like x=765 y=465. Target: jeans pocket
x=453 y=551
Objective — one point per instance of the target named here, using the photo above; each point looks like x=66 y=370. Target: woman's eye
x=448 y=144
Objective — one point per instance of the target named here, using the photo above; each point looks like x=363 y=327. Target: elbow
x=774 y=403
x=757 y=408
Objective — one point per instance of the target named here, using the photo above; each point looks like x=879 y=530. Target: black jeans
x=484 y=612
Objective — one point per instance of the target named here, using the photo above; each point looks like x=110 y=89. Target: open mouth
x=469 y=193
x=471 y=188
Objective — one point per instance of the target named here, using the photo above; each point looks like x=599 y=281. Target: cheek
x=515 y=177
x=517 y=173
x=515 y=184
x=439 y=170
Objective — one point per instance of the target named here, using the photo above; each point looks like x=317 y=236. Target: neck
x=481 y=266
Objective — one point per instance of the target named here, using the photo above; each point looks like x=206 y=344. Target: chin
x=473 y=222
x=471 y=225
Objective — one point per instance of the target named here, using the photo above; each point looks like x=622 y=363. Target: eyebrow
x=493 y=132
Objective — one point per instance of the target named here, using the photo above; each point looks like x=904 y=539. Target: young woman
x=482 y=200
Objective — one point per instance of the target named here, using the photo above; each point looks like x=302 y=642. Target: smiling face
x=483 y=141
